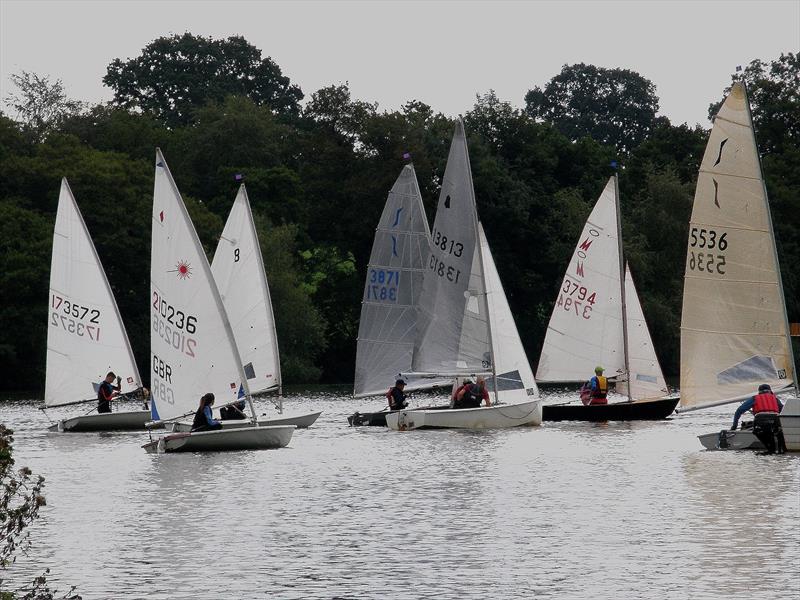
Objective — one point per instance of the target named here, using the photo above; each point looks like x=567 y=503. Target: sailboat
x=238 y=270
x=598 y=320
x=193 y=351
x=465 y=327
x=391 y=292
x=734 y=327
x=85 y=336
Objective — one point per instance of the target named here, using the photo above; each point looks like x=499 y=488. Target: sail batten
x=734 y=331
x=86 y=337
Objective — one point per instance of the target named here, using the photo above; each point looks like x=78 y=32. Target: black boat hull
x=378 y=419
x=642 y=410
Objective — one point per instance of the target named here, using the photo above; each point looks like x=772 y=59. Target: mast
x=486 y=306
x=622 y=283
x=774 y=244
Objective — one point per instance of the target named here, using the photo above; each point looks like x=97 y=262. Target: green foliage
x=41 y=105
x=614 y=106
x=174 y=75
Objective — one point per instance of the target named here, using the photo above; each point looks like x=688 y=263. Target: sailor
x=766 y=424
x=457 y=391
x=204 y=419
x=470 y=395
x=396 y=397
x=599 y=387
x=233 y=411
x=106 y=392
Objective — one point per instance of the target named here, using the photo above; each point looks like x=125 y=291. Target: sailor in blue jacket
x=204 y=419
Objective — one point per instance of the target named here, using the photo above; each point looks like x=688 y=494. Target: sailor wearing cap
x=599 y=387
x=396 y=397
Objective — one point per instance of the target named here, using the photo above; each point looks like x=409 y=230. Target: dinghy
x=85 y=336
x=465 y=327
x=238 y=270
x=734 y=327
x=193 y=351
x=393 y=284
x=598 y=320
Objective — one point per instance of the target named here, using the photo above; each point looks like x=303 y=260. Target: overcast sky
x=442 y=53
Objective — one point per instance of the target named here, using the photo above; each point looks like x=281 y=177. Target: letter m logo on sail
x=579 y=268
x=585 y=244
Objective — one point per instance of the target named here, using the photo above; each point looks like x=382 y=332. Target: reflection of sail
x=741 y=513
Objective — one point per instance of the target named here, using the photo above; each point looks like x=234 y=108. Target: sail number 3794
x=576 y=299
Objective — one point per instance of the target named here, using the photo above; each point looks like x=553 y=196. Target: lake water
x=565 y=510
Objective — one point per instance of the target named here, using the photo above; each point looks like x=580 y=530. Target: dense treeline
x=318 y=173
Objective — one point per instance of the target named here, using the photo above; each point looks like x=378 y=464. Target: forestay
x=85 y=337
x=734 y=332
x=393 y=285
x=192 y=347
x=238 y=270
x=515 y=382
x=585 y=329
x=452 y=328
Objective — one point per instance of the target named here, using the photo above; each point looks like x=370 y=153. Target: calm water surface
x=566 y=510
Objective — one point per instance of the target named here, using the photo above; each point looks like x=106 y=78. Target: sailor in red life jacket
x=396 y=397
x=766 y=425
x=599 y=387
x=471 y=394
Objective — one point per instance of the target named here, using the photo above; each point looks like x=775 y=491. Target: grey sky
x=441 y=53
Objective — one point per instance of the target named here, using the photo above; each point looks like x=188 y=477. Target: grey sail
x=452 y=327
x=393 y=284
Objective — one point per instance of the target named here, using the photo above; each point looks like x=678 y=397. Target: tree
x=613 y=106
x=175 y=75
x=41 y=104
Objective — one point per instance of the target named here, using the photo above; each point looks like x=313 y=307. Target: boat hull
x=639 y=410
x=378 y=419
x=222 y=440
x=114 y=421
x=299 y=421
x=493 y=417
x=790 y=423
x=741 y=439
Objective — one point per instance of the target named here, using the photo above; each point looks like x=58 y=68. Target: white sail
x=734 y=333
x=452 y=327
x=238 y=270
x=391 y=292
x=515 y=382
x=585 y=329
x=646 y=379
x=191 y=342
x=85 y=337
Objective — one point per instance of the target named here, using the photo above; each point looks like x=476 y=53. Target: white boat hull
x=221 y=440
x=790 y=423
x=741 y=439
x=113 y=421
x=299 y=421
x=493 y=417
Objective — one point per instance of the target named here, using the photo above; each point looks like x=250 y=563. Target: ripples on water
x=567 y=510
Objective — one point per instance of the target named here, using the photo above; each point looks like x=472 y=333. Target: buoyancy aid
x=599 y=395
x=473 y=394
x=395 y=397
x=766 y=402
x=199 y=418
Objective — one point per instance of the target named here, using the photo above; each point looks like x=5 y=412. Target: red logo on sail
x=184 y=270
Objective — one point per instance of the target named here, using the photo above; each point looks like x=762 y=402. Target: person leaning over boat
x=766 y=425
x=204 y=419
x=470 y=395
x=233 y=411
x=598 y=386
x=457 y=391
x=396 y=397
x=106 y=392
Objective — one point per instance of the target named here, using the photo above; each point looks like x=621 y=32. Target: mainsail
x=734 y=331
x=238 y=270
x=394 y=281
x=192 y=348
x=85 y=337
x=585 y=329
x=453 y=327
x=515 y=382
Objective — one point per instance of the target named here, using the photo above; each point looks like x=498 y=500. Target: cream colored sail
x=85 y=337
x=734 y=333
x=238 y=270
x=585 y=329
x=515 y=382
x=646 y=379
